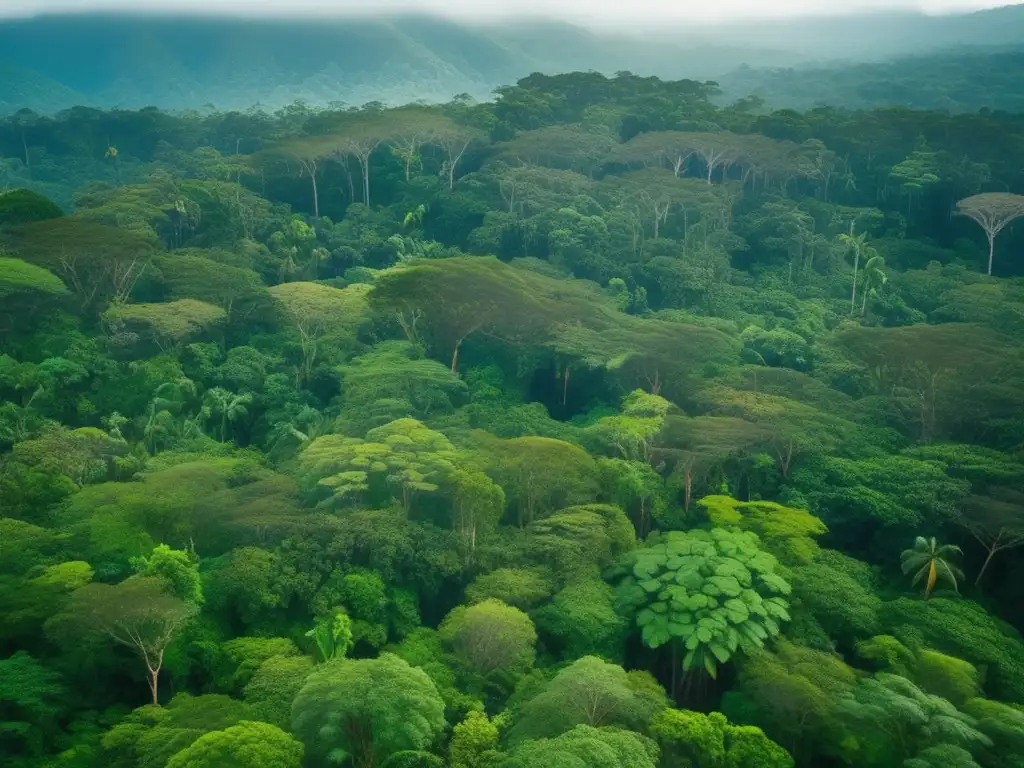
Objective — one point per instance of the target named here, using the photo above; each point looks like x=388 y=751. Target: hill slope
x=51 y=62
x=963 y=80
x=177 y=63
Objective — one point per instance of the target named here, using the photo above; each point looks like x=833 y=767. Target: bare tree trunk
x=853 y=294
x=154 y=674
x=28 y=160
x=316 y=194
x=991 y=554
x=455 y=356
x=153 y=687
x=675 y=667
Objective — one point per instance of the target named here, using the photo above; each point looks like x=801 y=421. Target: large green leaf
x=720 y=651
x=736 y=611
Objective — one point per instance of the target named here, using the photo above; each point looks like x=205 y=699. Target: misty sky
x=596 y=11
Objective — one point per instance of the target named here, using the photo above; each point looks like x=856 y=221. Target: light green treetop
x=405 y=453
x=366 y=710
x=711 y=741
x=246 y=745
x=716 y=592
x=586 y=747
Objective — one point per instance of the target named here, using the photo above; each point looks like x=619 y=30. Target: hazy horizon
x=587 y=12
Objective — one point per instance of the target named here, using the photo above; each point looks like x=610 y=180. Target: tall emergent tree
x=318 y=312
x=138 y=613
x=857 y=244
x=992 y=211
x=308 y=152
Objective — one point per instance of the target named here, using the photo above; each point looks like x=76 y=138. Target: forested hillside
x=956 y=80
x=597 y=426
x=181 y=62
x=129 y=62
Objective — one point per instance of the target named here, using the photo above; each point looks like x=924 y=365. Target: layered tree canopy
x=605 y=423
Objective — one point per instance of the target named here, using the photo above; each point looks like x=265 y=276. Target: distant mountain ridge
x=53 y=62
x=956 y=80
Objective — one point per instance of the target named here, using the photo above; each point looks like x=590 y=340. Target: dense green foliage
x=593 y=426
x=957 y=80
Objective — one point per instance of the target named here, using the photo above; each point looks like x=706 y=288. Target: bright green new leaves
x=586 y=747
x=366 y=710
x=178 y=569
x=18 y=278
x=491 y=637
x=953 y=679
x=474 y=742
x=716 y=592
x=787 y=532
x=711 y=741
x=246 y=745
x=633 y=431
x=404 y=454
x=332 y=634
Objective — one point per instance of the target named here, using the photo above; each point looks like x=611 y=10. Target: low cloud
x=638 y=12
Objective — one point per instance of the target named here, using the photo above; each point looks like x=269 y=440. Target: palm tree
x=861 y=252
x=874 y=278
x=928 y=558
x=168 y=401
x=228 y=405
